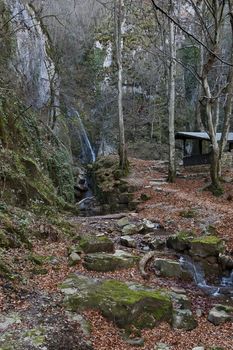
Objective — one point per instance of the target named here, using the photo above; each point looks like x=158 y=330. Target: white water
x=88 y=154
x=225 y=286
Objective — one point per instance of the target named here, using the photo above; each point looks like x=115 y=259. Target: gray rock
x=171 y=268
x=94 y=244
x=162 y=346
x=183 y=319
x=128 y=241
x=199 y=348
x=84 y=324
x=123 y=222
x=220 y=314
x=130 y=229
x=181 y=301
x=74 y=259
x=116 y=301
x=110 y=262
x=135 y=341
x=206 y=246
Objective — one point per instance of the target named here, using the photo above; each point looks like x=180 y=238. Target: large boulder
x=117 y=301
x=95 y=244
x=110 y=262
x=171 y=268
x=220 y=314
x=206 y=246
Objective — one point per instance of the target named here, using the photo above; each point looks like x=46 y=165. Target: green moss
x=126 y=307
x=208 y=240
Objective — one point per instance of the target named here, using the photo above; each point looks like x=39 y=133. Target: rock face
x=95 y=244
x=171 y=268
x=32 y=62
x=220 y=314
x=110 y=262
x=118 y=301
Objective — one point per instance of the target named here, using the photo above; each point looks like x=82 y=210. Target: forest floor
x=36 y=301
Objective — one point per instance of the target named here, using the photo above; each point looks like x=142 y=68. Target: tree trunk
x=172 y=163
x=119 y=23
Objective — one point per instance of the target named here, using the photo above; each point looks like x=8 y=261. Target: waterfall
x=88 y=154
x=224 y=287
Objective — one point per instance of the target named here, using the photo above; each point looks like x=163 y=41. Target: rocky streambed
x=100 y=270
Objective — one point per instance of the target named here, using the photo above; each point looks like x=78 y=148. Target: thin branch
x=188 y=33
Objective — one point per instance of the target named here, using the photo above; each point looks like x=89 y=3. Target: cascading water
x=224 y=287
x=88 y=154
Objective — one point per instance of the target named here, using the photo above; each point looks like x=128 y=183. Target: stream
x=224 y=287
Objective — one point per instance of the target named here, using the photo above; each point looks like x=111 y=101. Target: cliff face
x=36 y=162
x=31 y=56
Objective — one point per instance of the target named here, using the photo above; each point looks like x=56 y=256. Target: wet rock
x=220 y=314
x=206 y=246
x=123 y=222
x=226 y=261
x=74 y=259
x=171 y=268
x=118 y=302
x=95 y=244
x=110 y=262
x=148 y=225
x=128 y=241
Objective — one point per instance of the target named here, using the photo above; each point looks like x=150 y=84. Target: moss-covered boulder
x=220 y=314
x=171 y=268
x=110 y=262
x=118 y=302
x=206 y=246
x=94 y=244
x=180 y=241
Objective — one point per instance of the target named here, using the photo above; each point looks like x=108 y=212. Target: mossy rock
x=205 y=246
x=183 y=319
x=180 y=241
x=171 y=268
x=110 y=262
x=94 y=244
x=117 y=302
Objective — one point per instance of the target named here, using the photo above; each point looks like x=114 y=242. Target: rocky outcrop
x=126 y=305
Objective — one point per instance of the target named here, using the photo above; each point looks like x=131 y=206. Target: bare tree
x=172 y=94
x=119 y=10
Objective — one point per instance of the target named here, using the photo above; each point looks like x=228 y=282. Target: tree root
x=142 y=264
